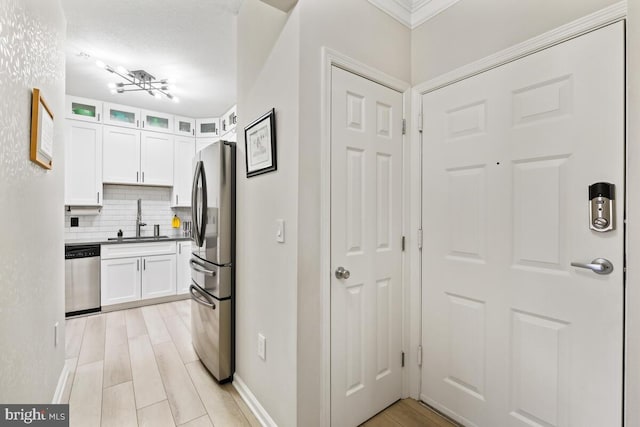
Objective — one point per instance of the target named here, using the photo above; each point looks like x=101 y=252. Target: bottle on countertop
x=175 y=222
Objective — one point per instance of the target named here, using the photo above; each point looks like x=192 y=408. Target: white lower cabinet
x=183 y=275
x=120 y=280
x=158 y=276
x=137 y=271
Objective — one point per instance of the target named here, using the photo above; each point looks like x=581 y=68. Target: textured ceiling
x=192 y=42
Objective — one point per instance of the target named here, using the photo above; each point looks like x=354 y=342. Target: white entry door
x=366 y=241
x=513 y=334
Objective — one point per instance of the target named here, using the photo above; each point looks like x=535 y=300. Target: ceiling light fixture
x=138 y=80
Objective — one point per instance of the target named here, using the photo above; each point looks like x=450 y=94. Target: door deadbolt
x=602 y=199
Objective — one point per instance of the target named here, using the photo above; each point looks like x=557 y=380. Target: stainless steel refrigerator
x=213 y=201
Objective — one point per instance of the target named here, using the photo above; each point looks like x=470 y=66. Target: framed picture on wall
x=41 y=151
x=260 y=145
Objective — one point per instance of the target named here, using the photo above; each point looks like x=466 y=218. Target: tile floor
x=137 y=368
x=409 y=413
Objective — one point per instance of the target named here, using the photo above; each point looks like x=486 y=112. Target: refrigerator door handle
x=196 y=296
x=199 y=227
x=194 y=203
x=200 y=268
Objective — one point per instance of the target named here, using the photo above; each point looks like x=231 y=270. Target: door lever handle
x=598 y=266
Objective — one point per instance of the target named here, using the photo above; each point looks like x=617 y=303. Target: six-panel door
x=513 y=334
x=366 y=240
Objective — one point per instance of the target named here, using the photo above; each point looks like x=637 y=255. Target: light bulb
x=113 y=91
x=157 y=95
x=101 y=64
x=111 y=85
x=176 y=99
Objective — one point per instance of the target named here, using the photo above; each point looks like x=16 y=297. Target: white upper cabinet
x=156 y=159
x=87 y=110
x=83 y=164
x=204 y=142
x=121 y=115
x=184 y=126
x=131 y=156
x=121 y=155
x=183 y=152
x=208 y=127
x=158 y=122
x=228 y=121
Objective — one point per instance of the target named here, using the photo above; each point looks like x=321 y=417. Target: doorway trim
x=601 y=18
x=331 y=58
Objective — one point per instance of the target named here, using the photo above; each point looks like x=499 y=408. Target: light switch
x=280 y=230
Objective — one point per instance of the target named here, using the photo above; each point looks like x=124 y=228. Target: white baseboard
x=62 y=384
x=252 y=402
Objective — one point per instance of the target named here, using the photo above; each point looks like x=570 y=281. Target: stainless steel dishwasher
x=82 y=279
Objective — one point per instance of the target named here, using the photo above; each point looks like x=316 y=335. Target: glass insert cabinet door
x=184 y=126
x=208 y=127
x=121 y=115
x=84 y=109
x=155 y=121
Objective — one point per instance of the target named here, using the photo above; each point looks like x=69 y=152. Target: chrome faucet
x=139 y=222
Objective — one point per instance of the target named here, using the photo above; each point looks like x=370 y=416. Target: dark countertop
x=104 y=241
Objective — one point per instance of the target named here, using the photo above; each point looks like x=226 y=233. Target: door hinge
x=420 y=238
x=403 y=359
x=420 y=122
x=419 y=355
x=403 y=243
x=404 y=126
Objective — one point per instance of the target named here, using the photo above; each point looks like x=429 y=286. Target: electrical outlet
x=74 y=221
x=262 y=347
x=55 y=334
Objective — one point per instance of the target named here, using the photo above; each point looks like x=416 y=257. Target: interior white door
x=366 y=208
x=513 y=335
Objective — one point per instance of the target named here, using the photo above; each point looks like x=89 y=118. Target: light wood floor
x=409 y=413
x=137 y=368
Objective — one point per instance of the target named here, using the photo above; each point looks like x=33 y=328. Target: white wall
x=471 y=30
x=363 y=32
x=266 y=282
x=32 y=245
x=119 y=211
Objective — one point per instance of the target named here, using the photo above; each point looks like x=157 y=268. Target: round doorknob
x=342 y=273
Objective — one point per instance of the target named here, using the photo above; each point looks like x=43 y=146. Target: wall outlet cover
x=74 y=221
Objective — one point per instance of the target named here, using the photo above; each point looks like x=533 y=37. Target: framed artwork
x=260 y=145
x=41 y=131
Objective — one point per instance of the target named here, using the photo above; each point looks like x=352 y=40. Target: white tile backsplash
x=119 y=209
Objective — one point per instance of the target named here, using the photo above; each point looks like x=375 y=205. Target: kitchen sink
x=141 y=239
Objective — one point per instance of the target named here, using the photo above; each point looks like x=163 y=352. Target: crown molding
x=413 y=12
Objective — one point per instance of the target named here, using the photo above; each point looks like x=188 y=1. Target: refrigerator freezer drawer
x=211 y=333
x=215 y=280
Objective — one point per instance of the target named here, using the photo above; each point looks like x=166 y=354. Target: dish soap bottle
x=175 y=222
